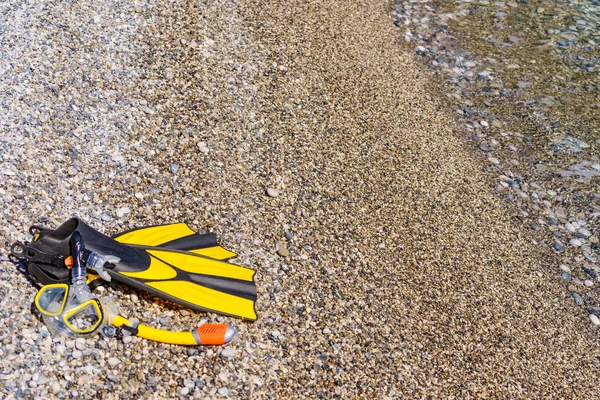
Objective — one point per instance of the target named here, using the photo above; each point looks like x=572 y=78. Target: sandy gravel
x=407 y=274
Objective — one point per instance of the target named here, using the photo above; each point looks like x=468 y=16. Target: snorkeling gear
x=170 y=261
x=73 y=311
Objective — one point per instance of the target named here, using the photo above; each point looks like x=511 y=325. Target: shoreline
x=535 y=156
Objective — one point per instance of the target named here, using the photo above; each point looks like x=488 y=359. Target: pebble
x=228 y=352
x=184 y=391
x=134 y=299
x=55 y=388
x=77 y=354
x=595 y=320
x=80 y=343
x=272 y=192
x=575 y=242
x=577 y=298
x=113 y=361
x=224 y=391
x=559 y=247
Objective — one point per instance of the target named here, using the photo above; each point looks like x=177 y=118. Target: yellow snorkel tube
x=73 y=311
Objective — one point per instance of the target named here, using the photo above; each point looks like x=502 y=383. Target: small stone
x=272 y=192
x=185 y=391
x=595 y=320
x=588 y=283
x=559 y=247
x=122 y=211
x=326 y=331
x=228 y=352
x=80 y=343
x=585 y=232
x=570 y=227
x=566 y=276
x=113 y=361
x=575 y=242
x=55 y=388
x=577 y=298
x=127 y=339
x=134 y=299
x=565 y=268
x=174 y=168
x=224 y=391
x=283 y=252
x=77 y=354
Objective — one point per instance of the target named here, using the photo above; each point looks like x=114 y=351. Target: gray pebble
x=577 y=298
x=559 y=247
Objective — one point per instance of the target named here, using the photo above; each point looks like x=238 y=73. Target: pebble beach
x=414 y=182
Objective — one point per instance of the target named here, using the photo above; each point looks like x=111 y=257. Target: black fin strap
x=23 y=251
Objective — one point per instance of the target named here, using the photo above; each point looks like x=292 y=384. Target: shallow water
x=525 y=78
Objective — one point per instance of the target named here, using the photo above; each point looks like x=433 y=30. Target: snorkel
x=74 y=311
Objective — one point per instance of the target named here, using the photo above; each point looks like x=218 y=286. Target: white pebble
x=588 y=283
x=570 y=227
x=127 y=339
x=77 y=354
x=80 y=343
x=272 y=192
x=595 y=320
x=224 y=391
x=565 y=268
x=185 y=391
x=134 y=298
x=55 y=388
x=575 y=242
x=228 y=352
x=122 y=211
x=113 y=361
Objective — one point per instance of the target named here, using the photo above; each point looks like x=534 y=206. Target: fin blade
x=208 y=299
x=154 y=236
x=178 y=236
x=196 y=264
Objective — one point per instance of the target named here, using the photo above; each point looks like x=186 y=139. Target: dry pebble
x=272 y=192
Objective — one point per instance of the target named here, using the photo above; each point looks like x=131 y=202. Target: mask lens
x=50 y=300
x=85 y=318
